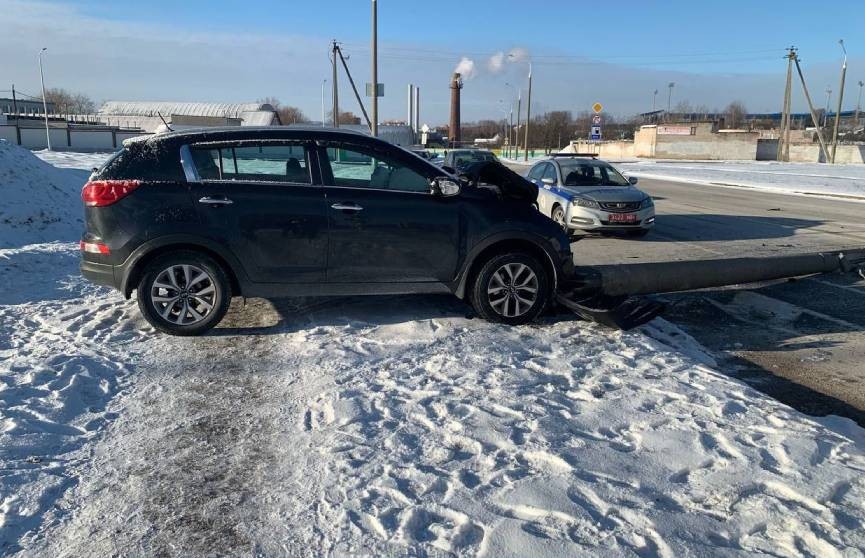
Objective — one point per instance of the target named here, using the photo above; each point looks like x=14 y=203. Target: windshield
x=467 y=157
x=591 y=173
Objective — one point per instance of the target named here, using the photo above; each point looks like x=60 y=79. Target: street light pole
x=528 y=115
x=670 y=85
x=654 y=99
x=44 y=102
x=323 y=83
x=826 y=113
x=517 y=129
x=858 y=103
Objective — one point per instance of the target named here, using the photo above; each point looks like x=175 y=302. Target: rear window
x=146 y=161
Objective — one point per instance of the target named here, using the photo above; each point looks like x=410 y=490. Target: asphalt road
x=801 y=341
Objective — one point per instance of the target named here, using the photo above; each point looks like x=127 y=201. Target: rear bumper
x=101 y=274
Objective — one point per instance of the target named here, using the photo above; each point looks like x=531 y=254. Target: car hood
x=494 y=175
x=608 y=193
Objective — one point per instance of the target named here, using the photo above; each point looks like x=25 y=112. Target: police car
x=580 y=192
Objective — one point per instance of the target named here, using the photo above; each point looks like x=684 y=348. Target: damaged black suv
x=190 y=219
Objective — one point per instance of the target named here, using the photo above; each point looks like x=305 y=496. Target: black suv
x=192 y=218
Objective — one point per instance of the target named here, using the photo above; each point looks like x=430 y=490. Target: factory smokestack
x=454 y=130
x=410 y=117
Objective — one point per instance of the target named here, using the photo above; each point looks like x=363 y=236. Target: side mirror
x=445 y=187
x=632 y=180
x=548 y=181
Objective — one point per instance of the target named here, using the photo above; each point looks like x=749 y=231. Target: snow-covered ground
x=845 y=181
x=392 y=426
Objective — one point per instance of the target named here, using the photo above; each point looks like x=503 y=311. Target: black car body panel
x=286 y=239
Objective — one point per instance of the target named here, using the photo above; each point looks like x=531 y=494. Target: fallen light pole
x=604 y=293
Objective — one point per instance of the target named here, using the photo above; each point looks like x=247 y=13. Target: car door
x=265 y=203
x=544 y=197
x=385 y=226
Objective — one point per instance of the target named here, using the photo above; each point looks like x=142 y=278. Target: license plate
x=623 y=218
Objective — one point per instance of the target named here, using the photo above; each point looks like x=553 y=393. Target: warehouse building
x=149 y=116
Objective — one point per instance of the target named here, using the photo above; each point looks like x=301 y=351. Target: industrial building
x=23 y=106
x=150 y=116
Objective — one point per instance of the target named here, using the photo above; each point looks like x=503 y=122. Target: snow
x=392 y=426
x=39 y=201
x=845 y=181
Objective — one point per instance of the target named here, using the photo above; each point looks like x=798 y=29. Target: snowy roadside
x=830 y=181
x=391 y=426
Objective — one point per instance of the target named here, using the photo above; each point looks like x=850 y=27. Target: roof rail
x=592 y=155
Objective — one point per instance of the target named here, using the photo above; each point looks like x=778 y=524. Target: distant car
x=461 y=158
x=583 y=193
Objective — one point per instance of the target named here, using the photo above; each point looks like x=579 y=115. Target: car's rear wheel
x=512 y=288
x=559 y=217
x=184 y=293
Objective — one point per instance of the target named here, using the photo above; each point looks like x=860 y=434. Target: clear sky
x=617 y=53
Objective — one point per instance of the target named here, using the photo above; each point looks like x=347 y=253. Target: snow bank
x=73 y=160
x=38 y=202
x=846 y=181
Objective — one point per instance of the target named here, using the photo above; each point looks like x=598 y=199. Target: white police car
x=580 y=192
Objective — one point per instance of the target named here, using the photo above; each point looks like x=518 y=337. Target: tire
x=184 y=293
x=496 y=276
x=559 y=217
x=640 y=233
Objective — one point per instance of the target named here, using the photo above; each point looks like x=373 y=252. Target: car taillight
x=94 y=247
x=99 y=193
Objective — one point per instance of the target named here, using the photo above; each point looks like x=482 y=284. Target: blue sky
x=613 y=52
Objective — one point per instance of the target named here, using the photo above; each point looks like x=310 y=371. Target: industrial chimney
x=454 y=131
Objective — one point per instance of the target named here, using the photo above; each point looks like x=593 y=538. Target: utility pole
x=374 y=127
x=855 y=120
x=44 y=101
x=811 y=109
x=511 y=131
x=784 y=137
x=654 y=99
x=335 y=95
x=353 y=88
x=15 y=99
x=840 y=101
x=528 y=115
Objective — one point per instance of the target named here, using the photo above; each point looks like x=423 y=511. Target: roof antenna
x=170 y=129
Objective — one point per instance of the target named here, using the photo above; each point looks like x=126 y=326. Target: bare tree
x=735 y=114
x=287 y=114
x=67 y=102
x=345 y=117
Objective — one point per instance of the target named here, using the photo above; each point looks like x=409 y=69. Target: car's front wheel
x=512 y=288
x=184 y=293
x=559 y=217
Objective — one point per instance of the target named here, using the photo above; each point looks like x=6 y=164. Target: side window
x=358 y=167
x=550 y=172
x=256 y=163
x=537 y=172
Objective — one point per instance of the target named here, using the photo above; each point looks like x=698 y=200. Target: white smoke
x=517 y=55
x=466 y=68
x=496 y=62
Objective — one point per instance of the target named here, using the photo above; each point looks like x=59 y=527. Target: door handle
x=215 y=201
x=347 y=207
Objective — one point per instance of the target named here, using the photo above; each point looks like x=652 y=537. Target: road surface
x=801 y=341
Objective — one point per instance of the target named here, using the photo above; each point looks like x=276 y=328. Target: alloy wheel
x=513 y=289
x=183 y=294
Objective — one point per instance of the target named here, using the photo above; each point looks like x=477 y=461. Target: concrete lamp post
x=44 y=101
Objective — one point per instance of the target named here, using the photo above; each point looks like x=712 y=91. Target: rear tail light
x=99 y=193
x=94 y=248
